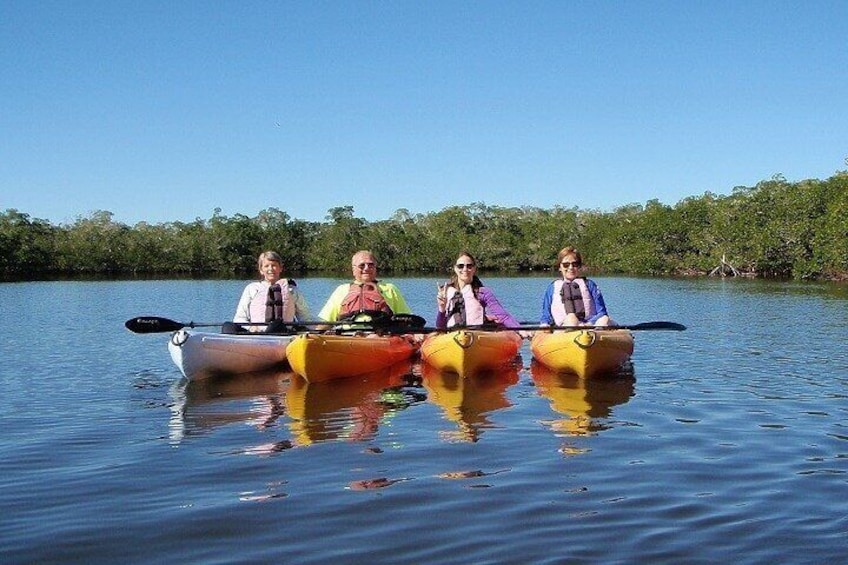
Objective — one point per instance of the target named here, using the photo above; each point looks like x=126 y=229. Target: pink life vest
x=280 y=305
x=361 y=297
x=463 y=308
x=571 y=298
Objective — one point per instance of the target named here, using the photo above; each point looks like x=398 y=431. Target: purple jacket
x=494 y=310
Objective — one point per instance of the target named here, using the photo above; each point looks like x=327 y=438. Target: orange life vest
x=361 y=297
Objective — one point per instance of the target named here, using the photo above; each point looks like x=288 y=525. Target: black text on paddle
x=155 y=324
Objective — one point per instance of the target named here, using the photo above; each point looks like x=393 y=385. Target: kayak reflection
x=468 y=400
x=198 y=406
x=347 y=409
x=586 y=402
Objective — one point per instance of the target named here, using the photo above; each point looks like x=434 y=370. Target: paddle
x=409 y=323
x=527 y=326
x=156 y=324
x=670 y=326
x=377 y=322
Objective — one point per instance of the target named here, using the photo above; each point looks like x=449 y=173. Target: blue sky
x=165 y=111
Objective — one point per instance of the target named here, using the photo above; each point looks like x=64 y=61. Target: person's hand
x=442 y=297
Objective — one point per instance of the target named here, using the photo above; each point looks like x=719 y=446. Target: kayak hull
x=585 y=353
x=203 y=355
x=470 y=352
x=323 y=357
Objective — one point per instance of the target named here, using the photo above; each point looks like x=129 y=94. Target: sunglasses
x=464 y=266
x=362 y=266
x=568 y=264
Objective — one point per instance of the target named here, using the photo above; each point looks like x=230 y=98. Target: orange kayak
x=322 y=357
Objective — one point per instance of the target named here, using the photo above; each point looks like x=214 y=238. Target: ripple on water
x=726 y=442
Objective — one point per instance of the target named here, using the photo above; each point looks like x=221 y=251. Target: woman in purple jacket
x=464 y=301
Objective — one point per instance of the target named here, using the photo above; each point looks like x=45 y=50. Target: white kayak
x=201 y=355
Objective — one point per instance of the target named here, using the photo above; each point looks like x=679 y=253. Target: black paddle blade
x=152 y=325
x=673 y=326
x=373 y=318
x=408 y=320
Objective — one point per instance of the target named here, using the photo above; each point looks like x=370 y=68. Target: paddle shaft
x=156 y=324
x=659 y=325
x=526 y=326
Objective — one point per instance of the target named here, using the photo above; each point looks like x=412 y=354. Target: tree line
x=775 y=229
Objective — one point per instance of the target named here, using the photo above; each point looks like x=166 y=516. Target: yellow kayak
x=321 y=357
x=585 y=353
x=469 y=352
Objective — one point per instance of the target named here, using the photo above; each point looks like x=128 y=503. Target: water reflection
x=586 y=403
x=198 y=406
x=350 y=409
x=468 y=400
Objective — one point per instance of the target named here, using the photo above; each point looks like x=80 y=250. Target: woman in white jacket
x=271 y=299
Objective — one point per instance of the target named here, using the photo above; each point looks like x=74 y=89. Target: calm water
x=729 y=442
